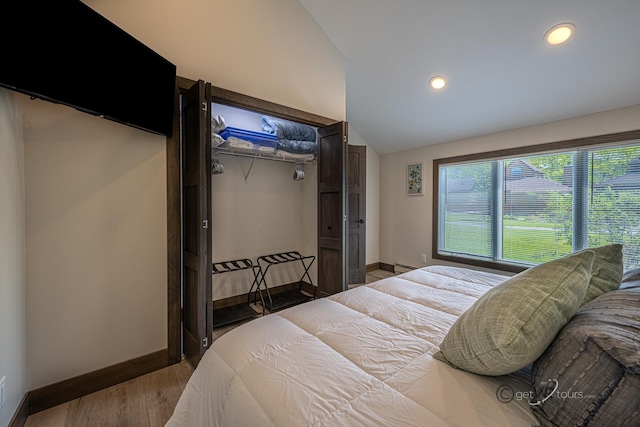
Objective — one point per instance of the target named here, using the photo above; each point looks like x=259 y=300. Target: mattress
x=362 y=357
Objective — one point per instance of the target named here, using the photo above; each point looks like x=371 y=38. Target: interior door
x=332 y=212
x=197 y=323
x=356 y=245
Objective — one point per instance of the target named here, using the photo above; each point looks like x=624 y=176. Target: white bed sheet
x=358 y=358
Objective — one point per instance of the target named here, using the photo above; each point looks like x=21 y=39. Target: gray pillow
x=631 y=279
x=631 y=275
x=595 y=364
x=606 y=271
x=512 y=324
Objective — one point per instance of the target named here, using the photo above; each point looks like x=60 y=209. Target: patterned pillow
x=512 y=324
x=606 y=271
x=594 y=366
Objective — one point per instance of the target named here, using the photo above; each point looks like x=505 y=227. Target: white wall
x=12 y=256
x=373 y=197
x=405 y=222
x=96 y=190
x=258 y=217
x=96 y=242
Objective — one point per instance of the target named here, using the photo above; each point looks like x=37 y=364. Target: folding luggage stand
x=290 y=297
x=235 y=313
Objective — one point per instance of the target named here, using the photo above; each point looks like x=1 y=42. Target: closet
x=198 y=240
x=263 y=212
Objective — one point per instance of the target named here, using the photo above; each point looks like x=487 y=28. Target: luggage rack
x=235 y=313
x=290 y=297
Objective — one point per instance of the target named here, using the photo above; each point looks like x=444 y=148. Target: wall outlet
x=423 y=257
x=3 y=393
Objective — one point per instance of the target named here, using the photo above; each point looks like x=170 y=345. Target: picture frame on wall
x=414 y=179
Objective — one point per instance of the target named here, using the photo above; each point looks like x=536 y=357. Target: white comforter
x=359 y=358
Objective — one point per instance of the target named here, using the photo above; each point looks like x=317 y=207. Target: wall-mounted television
x=67 y=53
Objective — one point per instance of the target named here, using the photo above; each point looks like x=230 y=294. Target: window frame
x=549 y=147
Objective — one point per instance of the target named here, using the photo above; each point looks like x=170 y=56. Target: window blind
x=531 y=209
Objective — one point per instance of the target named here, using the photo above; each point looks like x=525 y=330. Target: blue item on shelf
x=259 y=138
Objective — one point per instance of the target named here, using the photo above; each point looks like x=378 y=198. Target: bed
x=388 y=354
x=360 y=357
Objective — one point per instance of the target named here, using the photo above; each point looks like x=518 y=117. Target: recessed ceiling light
x=437 y=82
x=560 y=33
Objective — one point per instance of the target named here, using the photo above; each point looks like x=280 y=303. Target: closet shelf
x=260 y=155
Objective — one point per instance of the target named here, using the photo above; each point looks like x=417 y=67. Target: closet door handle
x=360 y=221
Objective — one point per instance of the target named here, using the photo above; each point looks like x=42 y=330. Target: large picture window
x=518 y=208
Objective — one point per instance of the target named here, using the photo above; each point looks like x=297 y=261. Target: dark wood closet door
x=332 y=212
x=357 y=213
x=196 y=204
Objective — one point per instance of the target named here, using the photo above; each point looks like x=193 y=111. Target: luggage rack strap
x=233 y=265
x=283 y=257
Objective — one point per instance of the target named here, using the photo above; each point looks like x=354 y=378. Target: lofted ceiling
x=501 y=74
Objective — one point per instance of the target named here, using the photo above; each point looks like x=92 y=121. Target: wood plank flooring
x=378 y=275
x=146 y=401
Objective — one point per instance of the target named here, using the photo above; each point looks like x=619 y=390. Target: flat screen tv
x=67 y=53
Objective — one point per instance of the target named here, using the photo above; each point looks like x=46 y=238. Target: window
x=517 y=208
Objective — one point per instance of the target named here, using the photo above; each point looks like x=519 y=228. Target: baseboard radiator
x=401 y=268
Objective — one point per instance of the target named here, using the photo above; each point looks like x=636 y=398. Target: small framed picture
x=414 y=179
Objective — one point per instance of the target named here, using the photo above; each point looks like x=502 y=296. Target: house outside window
x=511 y=210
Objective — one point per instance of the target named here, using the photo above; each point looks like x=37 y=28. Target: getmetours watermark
x=547 y=390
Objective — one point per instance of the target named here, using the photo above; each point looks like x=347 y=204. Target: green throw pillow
x=606 y=272
x=512 y=324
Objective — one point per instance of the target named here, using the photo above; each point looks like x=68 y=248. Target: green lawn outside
x=524 y=239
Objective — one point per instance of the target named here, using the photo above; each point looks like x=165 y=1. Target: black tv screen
x=67 y=53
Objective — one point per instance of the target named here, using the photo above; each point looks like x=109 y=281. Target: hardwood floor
x=146 y=401
x=378 y=275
